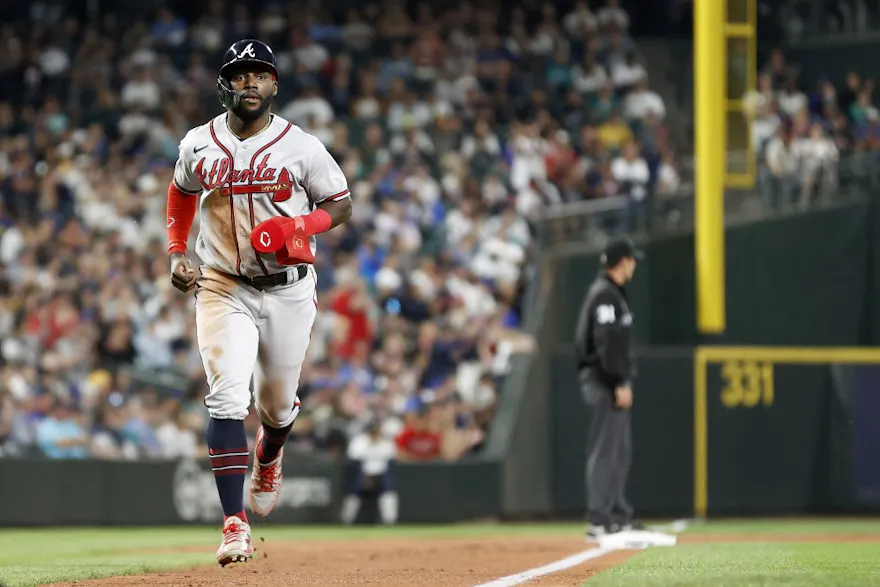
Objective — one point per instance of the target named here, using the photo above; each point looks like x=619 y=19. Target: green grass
x=34 y=557
x=790 y=526
x=37 y=556
x=94 y=567
x=748 y=564
x=739 y=564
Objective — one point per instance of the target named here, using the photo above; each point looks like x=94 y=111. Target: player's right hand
x=183 y=276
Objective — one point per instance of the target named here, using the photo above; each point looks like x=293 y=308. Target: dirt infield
x=436 y=562
x=440 y=562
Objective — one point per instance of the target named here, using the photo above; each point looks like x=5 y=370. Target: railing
x=587 y=224
x=852 y=165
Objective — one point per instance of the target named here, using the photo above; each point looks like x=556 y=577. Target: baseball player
x=264 y=188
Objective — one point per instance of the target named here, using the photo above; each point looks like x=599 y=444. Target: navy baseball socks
x=228 y=449
x=272 y=443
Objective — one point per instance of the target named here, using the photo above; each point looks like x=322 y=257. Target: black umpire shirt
x=604 y=335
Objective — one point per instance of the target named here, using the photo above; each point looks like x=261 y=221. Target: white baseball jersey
x=374 y=455
x=280 y=171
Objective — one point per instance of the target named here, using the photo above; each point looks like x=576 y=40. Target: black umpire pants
x=609 y=455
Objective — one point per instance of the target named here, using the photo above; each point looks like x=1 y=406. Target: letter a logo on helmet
x=246 y=52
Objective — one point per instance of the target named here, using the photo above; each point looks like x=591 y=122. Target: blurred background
x=491 y=148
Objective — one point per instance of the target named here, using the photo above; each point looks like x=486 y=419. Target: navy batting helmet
x=244 y=51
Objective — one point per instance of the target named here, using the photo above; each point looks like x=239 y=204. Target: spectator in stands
x=791 y=99
x=8 y=416
x=613 y=17
x=310 y=105
x=604 y=103
x=778 y=70
x=614 y=133
x=642 y=102
x=862 y=107
x=417 y=441
x=849 y=93
x=668 y=180
x=627 y=73
x=177 y=434
x=59 y=435
x=589 y=77
x=867 y=135
x=781 y=179
x=109 y=440
x=631 y=173
x=819 y=157
x=581 y=23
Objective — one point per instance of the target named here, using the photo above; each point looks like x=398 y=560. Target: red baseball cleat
x=265 y=481
x=236 y=544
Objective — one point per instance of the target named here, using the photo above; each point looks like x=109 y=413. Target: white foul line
x=560 y=565
x=574 y=560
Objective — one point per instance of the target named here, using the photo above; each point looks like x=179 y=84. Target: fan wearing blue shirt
x=60 y=436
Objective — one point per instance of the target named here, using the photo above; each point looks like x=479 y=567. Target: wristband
x=317 y=222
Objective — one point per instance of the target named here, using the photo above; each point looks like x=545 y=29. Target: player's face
x=257 y=87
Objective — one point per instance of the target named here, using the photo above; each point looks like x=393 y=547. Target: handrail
x=585 y=207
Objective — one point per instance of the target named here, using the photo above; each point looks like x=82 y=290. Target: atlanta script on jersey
x=280 y=171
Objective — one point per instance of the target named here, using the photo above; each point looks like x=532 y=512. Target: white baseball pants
x=245 y=333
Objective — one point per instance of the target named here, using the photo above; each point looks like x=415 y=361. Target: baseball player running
x=264 y=188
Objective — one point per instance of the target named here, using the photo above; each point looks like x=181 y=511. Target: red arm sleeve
x=181 y=212
x=317 y=222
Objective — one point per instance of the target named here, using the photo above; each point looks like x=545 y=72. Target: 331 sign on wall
x=747 y=384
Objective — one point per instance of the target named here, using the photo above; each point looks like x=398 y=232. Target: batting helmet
x=244 y=51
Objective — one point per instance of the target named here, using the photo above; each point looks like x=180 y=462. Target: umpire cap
x=243 y=51
x=617 y=249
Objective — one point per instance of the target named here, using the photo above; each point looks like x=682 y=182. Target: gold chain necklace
x=268 y=123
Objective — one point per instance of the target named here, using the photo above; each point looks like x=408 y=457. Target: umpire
x=607 y=366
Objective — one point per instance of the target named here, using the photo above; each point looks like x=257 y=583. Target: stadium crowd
x=455 y=128
x=803 y=135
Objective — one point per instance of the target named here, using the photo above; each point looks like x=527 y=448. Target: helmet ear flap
x=228 y=97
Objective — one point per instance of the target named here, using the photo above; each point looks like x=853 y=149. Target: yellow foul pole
x=710 y=130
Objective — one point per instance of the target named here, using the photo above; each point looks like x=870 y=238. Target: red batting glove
x=270 y=236
x=296 y=250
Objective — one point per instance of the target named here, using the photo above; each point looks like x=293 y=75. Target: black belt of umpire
x=261 y=282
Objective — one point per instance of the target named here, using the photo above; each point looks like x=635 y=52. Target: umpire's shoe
x=596 y=531
x=629 y=526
